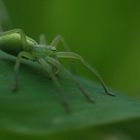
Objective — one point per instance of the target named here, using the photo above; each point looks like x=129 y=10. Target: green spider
x=16 y=43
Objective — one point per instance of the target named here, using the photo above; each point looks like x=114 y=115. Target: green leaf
x=35 y=108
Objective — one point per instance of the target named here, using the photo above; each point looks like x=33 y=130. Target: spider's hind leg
x=17 y=66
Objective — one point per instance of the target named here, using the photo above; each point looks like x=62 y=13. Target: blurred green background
x=105 y=33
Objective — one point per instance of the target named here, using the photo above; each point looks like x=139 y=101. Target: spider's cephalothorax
x=43 y=50
x=16 y=43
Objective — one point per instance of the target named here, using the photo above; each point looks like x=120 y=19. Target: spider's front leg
x=56 y=63
x=42 y=39
x=59 y=39
x=48 y=69
x=72 y=55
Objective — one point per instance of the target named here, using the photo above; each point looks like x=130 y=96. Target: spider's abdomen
x=12 y=43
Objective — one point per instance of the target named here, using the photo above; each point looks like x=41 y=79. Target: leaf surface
x=35 y=109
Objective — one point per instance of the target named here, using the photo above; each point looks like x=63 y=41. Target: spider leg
x=73 y=55
x=42 y=39
x=48 y=69
x=56 y=63
x=17 y=66
x=59 y=39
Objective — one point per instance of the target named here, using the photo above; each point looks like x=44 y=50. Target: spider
x=16 y=43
